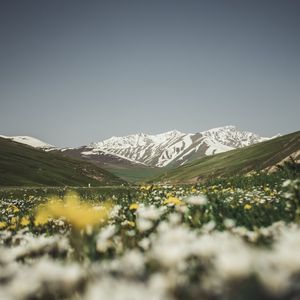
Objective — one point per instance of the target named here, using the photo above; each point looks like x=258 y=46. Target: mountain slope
x=173 y=148
x=24 y=165
x=239 y=161
x=30 y=141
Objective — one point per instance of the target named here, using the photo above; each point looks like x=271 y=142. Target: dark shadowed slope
x=24 y=165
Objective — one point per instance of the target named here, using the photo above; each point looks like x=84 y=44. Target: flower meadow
x=237 y=238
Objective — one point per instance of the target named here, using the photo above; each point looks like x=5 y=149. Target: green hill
x=240 y=161
x=22 y=165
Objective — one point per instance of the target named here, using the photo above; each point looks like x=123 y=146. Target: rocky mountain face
x=173 y=147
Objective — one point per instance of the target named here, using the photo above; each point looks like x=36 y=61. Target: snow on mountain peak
x=163 y=149
x=175 y=147
x=30 y=141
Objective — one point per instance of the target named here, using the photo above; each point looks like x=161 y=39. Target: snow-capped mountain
x=140 y=148
x=30 y=141
x=173 y=147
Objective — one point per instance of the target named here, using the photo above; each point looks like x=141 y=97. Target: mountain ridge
x=168 y=149
x=30 y=141
x=174 y=147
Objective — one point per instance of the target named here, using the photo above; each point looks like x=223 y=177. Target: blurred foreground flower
x=79 y=214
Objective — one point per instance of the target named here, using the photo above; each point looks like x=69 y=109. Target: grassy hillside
x=22 y=165
x=239 y=161
x=134 y=174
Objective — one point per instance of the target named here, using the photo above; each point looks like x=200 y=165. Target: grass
x=136 y=175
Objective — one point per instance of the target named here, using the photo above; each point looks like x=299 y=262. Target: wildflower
x=247 y=206
x=229 y=223
x=146 y=215
x=104 y=239
x=169 y=195
x=128 y=223
x=41 y=218
x=134 y=206
x=2 y=225
x=13 y=220
x=25 y=221
x=146 y=187
x=286 y=183
x=78 y=214
x=173 y=201
x=196 y=200
x=15 y=209
x=131 y=223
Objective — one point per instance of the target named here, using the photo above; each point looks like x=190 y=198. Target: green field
x=136 y=175
x=159 y=241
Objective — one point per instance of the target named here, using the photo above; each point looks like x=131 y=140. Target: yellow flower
x=77 y=213
x=194 y=190
x=130 y=223
x=15 y=209
x=25 y=221
x=247 y=206
x=2 y=225
x=134 y=206
x=173 y=200
x=146 y=187
x=41 y=218
x=13 y=220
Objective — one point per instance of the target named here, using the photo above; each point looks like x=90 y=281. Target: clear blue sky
x=72 y=72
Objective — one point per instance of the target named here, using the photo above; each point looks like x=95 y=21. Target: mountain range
x=168 y=149
x=173 y=154
x=172 y=148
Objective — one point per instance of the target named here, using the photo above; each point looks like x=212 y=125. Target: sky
x=73 y=72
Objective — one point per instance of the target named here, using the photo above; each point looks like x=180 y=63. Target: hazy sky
x=72 y=72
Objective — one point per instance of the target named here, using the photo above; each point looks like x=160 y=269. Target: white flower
x=229 y=223
x=122 y=289
x=286 y=183
x=146 y=215
x=196 y=200
x=104 y=238
x=143 y=224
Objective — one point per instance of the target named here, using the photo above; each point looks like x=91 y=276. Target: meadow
x=233 y=238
